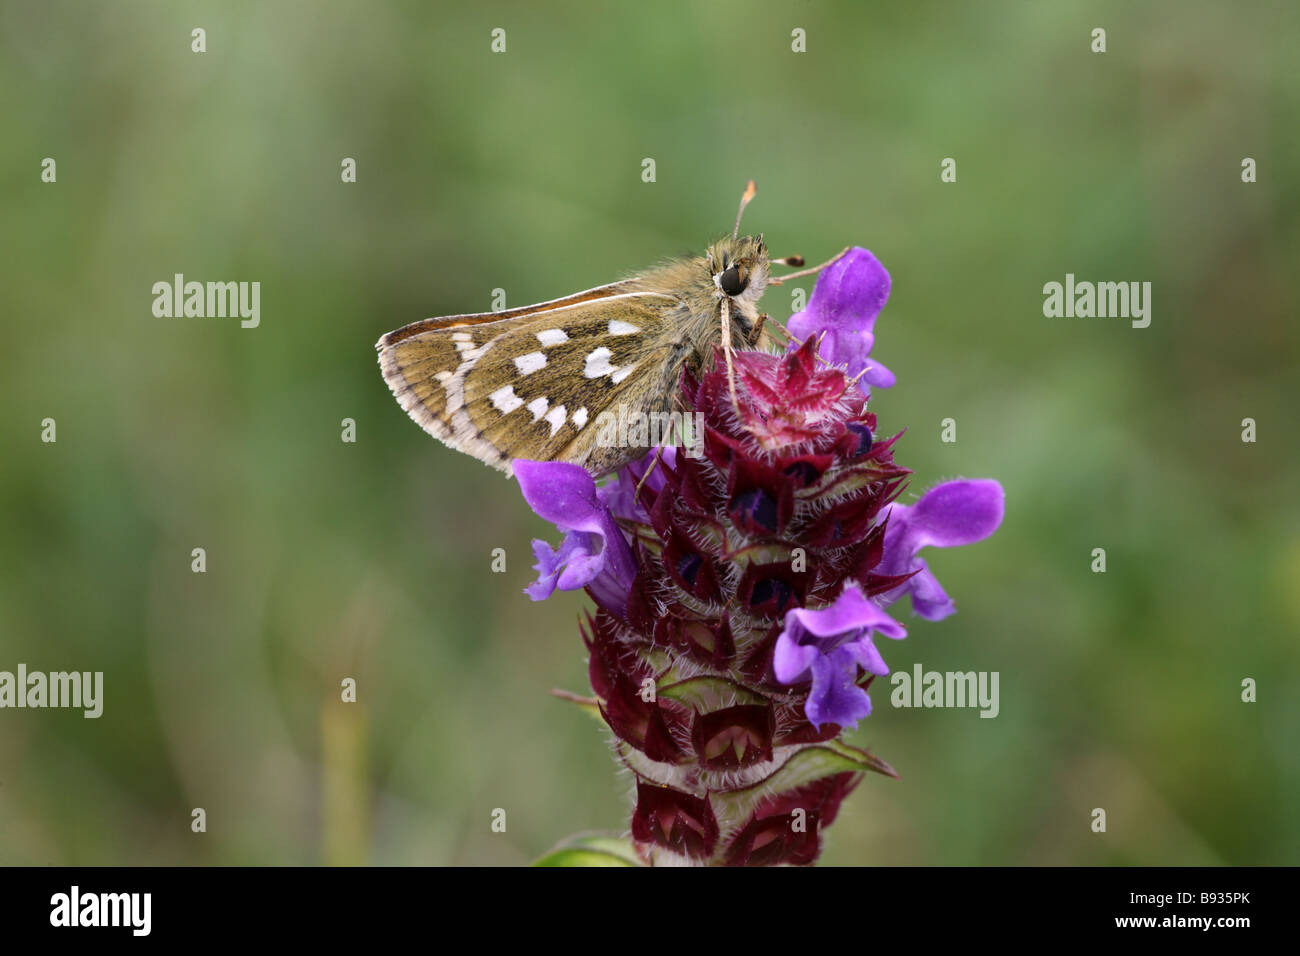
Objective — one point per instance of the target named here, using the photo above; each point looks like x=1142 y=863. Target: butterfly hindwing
x=418 y=359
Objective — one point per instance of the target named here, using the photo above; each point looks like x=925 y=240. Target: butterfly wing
x=534 y=384
x=417 y=360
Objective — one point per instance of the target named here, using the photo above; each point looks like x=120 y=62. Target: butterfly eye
x=731 y=283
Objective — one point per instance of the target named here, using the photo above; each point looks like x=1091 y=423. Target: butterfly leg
x=807 y=272
x=651 y=467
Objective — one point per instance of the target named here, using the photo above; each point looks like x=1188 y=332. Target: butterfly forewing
x=489 y=318
x=534 y=385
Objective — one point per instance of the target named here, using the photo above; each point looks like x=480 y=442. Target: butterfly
x=538 y=382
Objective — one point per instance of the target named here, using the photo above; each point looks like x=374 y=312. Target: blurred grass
x=522 y=171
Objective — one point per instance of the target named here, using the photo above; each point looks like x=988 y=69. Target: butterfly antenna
x=750 y=190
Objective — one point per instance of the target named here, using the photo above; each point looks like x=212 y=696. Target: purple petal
x=848 y=296
x=835 y=696
x=571 y=566
x=610 y=593
x=863 y=652
x=566 y=495
x=619 y=496
x=877 y=376
x=547 y=568
x=850 y=612
x=583 y=563
x=791 y=660
x=832 y=643
x=848 y=348
x=563 y=494
x=954 y=513
x=929 y=599
x=951 y=514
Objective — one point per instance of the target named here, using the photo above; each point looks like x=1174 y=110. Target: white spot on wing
x=598 y=363
x=622 y=373
x=538 y=407
x=580 y=418
x=552 y=337
x=621 y=328
x=556 y=417
x=505 y=399
x=530 y=363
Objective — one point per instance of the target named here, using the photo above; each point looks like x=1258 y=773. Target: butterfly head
x=739 y=266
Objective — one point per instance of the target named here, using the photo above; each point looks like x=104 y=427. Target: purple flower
x=831 y=644
x=594 y=553
x=679 y=557
x=956 y=512
x=619 y=495
x=848 y=296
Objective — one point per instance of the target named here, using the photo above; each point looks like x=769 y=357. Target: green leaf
x=811 y=763
x=865 y=759
x=592 y=849
x=705 y=693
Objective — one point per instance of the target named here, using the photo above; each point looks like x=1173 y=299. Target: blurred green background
x=522 y=171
